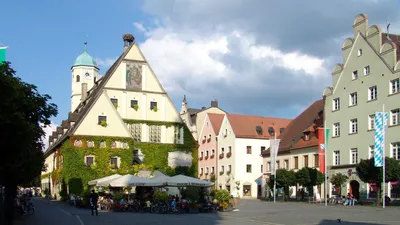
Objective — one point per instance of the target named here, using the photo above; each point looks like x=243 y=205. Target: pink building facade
x=208 y=146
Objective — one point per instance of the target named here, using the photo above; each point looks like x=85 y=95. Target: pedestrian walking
x=93 y=198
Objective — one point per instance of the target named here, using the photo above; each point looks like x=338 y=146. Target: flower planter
x=229 y=154
x=212 y=156
x=221 y=156
x=206 y=157
x=201 y=158
x=229 y=209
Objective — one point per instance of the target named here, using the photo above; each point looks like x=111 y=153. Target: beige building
x=366 y=80
x=119 y=123
x=194 y=118
x=298 y=148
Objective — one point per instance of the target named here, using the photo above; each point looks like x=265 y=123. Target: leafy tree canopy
x=308 y=177
x=284 y=178
x=368 y=173
x=338 y=179
x=22 y=111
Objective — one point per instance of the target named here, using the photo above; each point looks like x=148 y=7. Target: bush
x=191 y=193
x=160 y=196
x=222 y=196
x=117 y=196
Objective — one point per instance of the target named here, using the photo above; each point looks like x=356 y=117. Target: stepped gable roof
x=84 y=107
x=245 y=126
x=216 y=121
x=396 y=39
x=291 y=137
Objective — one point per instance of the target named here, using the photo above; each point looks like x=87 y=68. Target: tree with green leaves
x=368 y=173
x=338 y=179
x=309 y=177
x=23 y=112
x=284 y=179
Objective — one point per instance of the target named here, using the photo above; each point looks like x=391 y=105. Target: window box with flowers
x=221 y=173
x=201 y=158
x=228 y=172
x=153 y=106
x=212 y=156
x=206 y=157
x=102 y=121
x=221 y=156
x=229 y=154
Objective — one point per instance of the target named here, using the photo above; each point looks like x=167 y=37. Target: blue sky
x=250 y=55
x=45 y=37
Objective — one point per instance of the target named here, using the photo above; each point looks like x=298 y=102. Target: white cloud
x=257 y=56
x=48 y=131
x=105 y=63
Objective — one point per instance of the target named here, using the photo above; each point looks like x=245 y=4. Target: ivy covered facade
x=125 y=122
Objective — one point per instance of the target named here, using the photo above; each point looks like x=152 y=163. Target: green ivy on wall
x=76 y=174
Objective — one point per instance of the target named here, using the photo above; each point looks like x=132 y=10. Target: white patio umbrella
x=128 y=180
x=154 y=182
x=185 y=181
x=103 y=181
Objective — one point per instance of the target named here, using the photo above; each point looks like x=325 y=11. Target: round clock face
x=88 y=75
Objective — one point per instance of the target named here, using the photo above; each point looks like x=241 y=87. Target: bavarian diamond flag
x=380 y=126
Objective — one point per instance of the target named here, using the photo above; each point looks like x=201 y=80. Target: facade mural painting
x=133 y=76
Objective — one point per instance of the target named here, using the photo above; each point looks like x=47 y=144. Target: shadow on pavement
x=330 y=222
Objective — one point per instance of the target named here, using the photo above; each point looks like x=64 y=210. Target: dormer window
x=281 y=129
x=271 y=131
x=307 y=136
x=259 y=130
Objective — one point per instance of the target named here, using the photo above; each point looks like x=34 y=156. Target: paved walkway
x=250 y=212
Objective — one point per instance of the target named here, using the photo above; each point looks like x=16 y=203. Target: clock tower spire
x=84 y=75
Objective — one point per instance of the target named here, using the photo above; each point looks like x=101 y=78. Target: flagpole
x=275 y=166
x=326 y=171
x=384 y=155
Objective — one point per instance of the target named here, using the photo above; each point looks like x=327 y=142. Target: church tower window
x=78 y=78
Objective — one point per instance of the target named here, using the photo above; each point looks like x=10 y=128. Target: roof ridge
x=96 y=93
x=264 y=117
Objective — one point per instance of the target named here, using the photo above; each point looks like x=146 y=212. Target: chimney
x=214 y=103
x=128 y=40
x=84 y=91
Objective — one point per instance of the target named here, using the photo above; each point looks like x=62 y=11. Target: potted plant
x=206 y=157
x=103 y=123
x=229 y=154
x=201 y=158
x=194 y=208
x=228 y=172
x=212 y=156
x=223 y=197
x=221 y=173
x=136 y=107
x=155 y=108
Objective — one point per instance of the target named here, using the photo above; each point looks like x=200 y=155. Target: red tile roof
x=216 y=121
x=244 y=126
x=307 y=121
x=396 y=39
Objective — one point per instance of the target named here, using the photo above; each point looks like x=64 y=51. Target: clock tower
x=84 y=75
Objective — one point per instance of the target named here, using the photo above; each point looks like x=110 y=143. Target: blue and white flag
x=380 y=126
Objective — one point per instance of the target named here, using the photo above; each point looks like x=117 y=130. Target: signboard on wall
x=321 y=149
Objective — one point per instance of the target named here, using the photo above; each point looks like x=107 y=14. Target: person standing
x=93 y=198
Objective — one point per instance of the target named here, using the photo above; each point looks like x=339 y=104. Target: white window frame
x=87 y=156
x=371 y=122
x=336 y=130
x=354 y=155
x=367 y=70
x=353 y=126
x=372 y=93
x=201 y=171
x=371 y=151
x=394 y=117
x=359 y=52
x=353 y=99
x=394 y=86
x=354 y=75
x=336 y=104
x=336 y=158
x=212 y=170
x=395 y=150
x=207 y=170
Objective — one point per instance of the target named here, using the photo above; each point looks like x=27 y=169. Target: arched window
x=78 y=78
